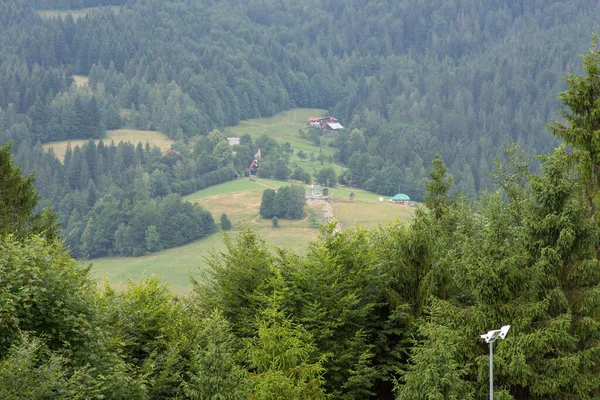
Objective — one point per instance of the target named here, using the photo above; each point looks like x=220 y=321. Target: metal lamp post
x=490 y=338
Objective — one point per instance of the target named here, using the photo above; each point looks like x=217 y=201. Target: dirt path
x=325 y=206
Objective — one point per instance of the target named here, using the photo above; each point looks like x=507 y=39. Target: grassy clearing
x=284 y=127
x=174 y=266
x=76 y=14
x=155 y=138
x=81 y=81
x=240 y=200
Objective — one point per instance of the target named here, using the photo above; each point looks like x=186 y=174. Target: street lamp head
x=504 y=331
x=491 y=336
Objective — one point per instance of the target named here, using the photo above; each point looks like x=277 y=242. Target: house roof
x=335 y=126
x=314 y=119
x=400 y=196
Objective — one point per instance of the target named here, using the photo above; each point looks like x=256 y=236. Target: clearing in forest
x=240 y=200
x=76 y=14
x=81 y=81
x=284 y=127
x=155 y=138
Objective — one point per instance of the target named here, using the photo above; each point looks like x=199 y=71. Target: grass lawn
x=155 y=138
x=76 y=14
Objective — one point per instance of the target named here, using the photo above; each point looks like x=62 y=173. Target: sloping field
x=284 y=127
x=76 y=14
x=240 y=200
x=174 y=266
x=155 y=138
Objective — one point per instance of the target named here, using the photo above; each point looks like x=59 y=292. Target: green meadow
x=284 y=127
x=240 y=200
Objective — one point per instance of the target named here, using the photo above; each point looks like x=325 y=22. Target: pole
x=491 y=370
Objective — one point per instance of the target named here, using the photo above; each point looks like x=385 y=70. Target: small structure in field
x=315 y=192
x=352 y=196
x=172 y=153
x=253 y=168
x=400 y=198
x=314 y=122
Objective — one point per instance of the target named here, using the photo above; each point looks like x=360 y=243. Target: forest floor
x=240 y=200
x=76 y=14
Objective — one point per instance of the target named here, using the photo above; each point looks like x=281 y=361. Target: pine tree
x=18 y=199
x=267 y=204
x=214 y=372
x=225 y=222
x=281 y=354
x=582 y=99
x=438 y=185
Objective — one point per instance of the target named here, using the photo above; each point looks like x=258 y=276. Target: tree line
x=125 y=199
x=287 y=202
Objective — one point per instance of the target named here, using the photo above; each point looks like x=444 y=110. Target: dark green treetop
x=18 y=200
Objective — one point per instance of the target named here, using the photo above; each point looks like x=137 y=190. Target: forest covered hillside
x=407 y=78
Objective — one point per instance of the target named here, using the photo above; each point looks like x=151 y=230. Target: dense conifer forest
x=430 y=92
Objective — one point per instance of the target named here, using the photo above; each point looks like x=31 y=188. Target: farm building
x=233 y=141
x=333 y=126
x=253 y=168
x=400 y=198
x=314 y=122
x=322 y=122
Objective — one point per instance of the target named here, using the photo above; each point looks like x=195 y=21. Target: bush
x=275 y=221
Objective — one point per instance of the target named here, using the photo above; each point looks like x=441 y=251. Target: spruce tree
x=582 y=130
x=225 y=222
x=18 y=199
x=267 y=204
x=437 y=187
x=281 y=354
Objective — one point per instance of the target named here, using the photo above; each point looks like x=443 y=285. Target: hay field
x=81 y=81
x=155 y=138
x=76 y=14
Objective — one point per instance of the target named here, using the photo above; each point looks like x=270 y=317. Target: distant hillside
x=408 y=79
